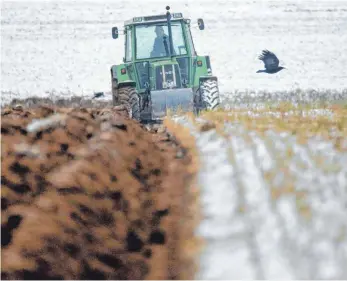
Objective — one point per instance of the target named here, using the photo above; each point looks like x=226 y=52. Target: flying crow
x=270 y=61
x=98 y=95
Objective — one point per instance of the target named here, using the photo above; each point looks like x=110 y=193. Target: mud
x=90 y=194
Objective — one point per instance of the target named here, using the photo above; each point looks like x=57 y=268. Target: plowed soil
x=91 y=194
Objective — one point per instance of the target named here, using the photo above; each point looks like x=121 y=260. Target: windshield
x=152 y=40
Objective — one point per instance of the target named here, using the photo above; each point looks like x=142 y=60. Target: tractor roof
x=154 y=18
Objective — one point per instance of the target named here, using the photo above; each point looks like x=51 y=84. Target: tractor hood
x=167 y=75
x=163 y=74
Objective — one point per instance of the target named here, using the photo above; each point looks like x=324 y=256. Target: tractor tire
x=208 y=96
x=114 y=92
x=128 y=97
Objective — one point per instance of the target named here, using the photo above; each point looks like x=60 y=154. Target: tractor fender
x=114 y=72
x=208 y=77
x=126 y=83
x=122 y=80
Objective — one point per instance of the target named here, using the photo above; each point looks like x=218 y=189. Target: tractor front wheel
x=128 y=97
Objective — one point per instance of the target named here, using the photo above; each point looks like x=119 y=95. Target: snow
x=249 y=232
x=52 y=48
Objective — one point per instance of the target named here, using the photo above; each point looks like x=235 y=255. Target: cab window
x=152 y=40
x=128 y=45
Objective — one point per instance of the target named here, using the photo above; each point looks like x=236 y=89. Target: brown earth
x=90 y=194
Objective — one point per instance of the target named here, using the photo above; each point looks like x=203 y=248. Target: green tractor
x=161 y=70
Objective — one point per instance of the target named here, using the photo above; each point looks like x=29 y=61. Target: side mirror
x=115 y=32
x=201 y=24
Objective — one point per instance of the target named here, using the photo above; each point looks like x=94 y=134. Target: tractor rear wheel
x=208 y=96
x=128 y=97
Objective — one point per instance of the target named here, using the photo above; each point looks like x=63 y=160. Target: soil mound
x=91 y=194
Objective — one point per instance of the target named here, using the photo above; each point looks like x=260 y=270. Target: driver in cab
x=159 y=49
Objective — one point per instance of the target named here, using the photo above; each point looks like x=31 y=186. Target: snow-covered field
x=274 y=206
x=65 y=47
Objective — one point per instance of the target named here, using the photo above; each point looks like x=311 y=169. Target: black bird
x=271 y=62
x=98 y=95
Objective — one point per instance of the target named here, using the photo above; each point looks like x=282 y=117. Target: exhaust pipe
x=168 y=18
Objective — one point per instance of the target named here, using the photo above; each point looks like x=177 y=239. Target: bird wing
x=270 y=60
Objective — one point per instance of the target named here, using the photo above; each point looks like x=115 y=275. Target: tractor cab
x=160 y=62
x=152 y=40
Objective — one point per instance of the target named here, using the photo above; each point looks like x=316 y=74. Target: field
x=262 y=189
x=273 y=190
x=254 y=190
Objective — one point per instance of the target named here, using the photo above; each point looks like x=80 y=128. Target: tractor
x=161 y=70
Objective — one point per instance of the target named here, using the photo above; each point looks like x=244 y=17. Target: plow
x=161 y=70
